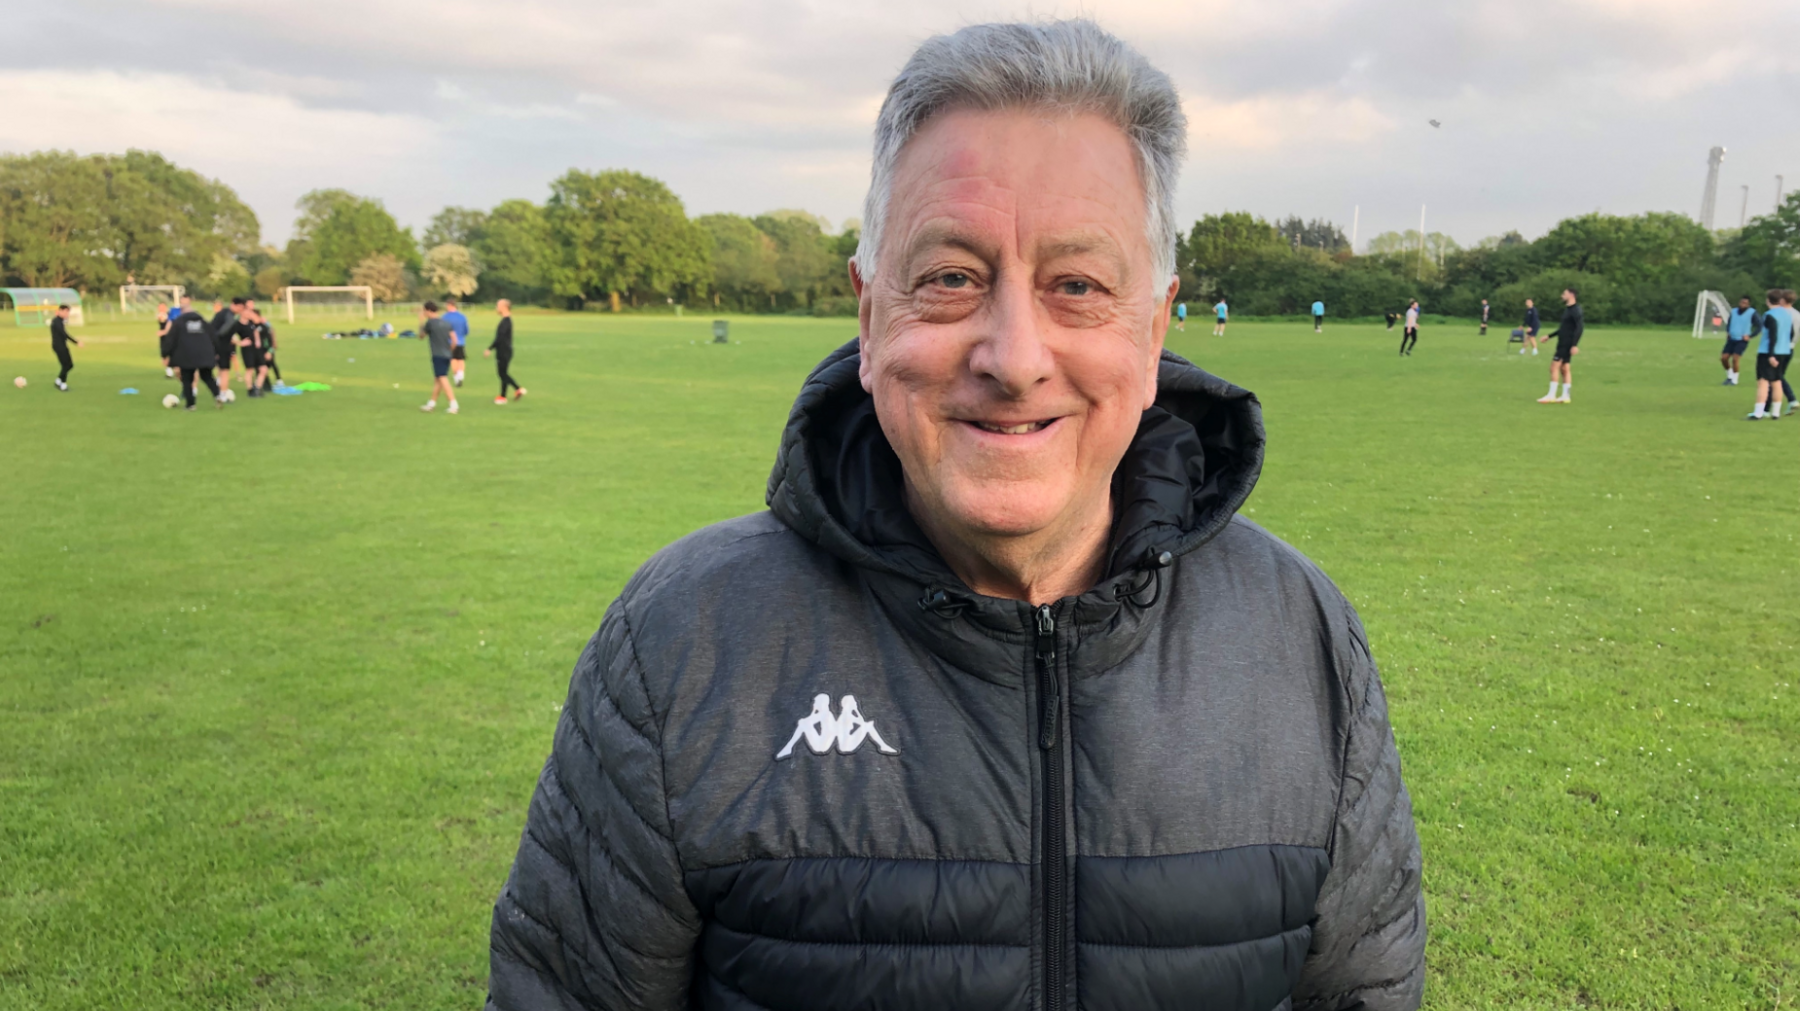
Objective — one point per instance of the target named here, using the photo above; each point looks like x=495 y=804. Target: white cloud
x=269 y=146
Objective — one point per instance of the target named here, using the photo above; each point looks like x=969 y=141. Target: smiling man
x=999 y=705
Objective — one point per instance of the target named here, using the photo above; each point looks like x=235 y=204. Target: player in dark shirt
x=1486 y=310
x=243 y=342
x=224 y=331
x=265 y=342
x=59 y=343
x=1532 y=324
x=194 y=350
x=165 y=327
x=1568 y=336
x=502 y=350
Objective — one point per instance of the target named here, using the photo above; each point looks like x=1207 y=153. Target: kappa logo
x=821 y=730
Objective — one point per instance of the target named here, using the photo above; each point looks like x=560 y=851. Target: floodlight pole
x=1714 y=159
x=1744 y=211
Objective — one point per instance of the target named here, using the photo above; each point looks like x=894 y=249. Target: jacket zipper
x=1055 y=853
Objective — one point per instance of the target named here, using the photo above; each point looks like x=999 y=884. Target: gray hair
x=1071 y=66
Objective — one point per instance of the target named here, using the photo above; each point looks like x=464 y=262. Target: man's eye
x=1075 y=287
x=953 y=280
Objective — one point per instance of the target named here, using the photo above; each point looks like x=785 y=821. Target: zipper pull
x=1049 y=688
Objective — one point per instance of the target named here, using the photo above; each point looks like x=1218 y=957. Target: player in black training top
x=1486 y=310
x=224 y=331
x=59 y=343
x=502 y=350
x=265 y=344
x=194 y=351
x=243 y=340
x=1568 y=335
x=165 y=327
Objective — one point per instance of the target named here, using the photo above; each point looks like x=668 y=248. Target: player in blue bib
x=1318 y=317
x=1743 y=322
x=1181 y=316
x=1773 y=352
x=1221 y=312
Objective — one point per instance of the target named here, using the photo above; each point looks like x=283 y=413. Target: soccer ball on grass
x=19 y=381
x=171 y=400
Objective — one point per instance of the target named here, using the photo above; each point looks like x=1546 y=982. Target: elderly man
x=999 y=705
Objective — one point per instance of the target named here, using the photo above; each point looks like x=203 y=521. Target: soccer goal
x=136 y=298
x=338 y=300
x=1710 y=313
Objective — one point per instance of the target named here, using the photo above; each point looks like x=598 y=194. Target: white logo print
x=821 y=730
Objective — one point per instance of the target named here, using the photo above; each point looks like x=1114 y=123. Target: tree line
x=619 y=239
x=1645 y=268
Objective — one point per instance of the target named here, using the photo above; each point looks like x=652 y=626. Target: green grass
x=276 y=681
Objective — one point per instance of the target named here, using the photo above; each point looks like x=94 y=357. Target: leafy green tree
x=513 y=246
x=1768 y=247
x=452 y=269
x=1315 y=234
x=54 y=205
x=619 y=233
x=385 y=275
x=806 y=259
x=92 y=222
x=1219 y=241
x=455 y=226
x=744 y=260
x=1645 y=247
x=337 y=230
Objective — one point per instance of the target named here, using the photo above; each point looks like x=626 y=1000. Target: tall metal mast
x=1711 y=199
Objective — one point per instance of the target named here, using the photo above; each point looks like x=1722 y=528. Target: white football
x=228 y=396
x=19 y=381
x=171 y=400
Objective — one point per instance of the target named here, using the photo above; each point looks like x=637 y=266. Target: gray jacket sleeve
x=594 y=915
x=1368 y=947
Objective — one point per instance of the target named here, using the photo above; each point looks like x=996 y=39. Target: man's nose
x=1010 y=350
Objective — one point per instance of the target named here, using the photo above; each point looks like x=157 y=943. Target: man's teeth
x=1025 y=429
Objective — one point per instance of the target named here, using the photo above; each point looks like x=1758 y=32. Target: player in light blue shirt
x=1318 y=317
x=1181 y=316
x=1773 y=353
x=1221 y=312
x=1743 y=322
x=459 y=325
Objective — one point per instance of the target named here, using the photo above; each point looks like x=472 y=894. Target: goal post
x=134 y=298
x=1710 y=313
x=341 y=298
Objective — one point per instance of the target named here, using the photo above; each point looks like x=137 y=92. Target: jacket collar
x=837 y=483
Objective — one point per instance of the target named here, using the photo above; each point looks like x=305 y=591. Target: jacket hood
x=837 y=482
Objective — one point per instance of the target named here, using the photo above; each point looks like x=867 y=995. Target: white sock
x=431 y=403
x=452 y=401
x=1567 y=387
x=1758 y=412
x=1552 y=392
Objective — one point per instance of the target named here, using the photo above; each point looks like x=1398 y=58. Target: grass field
x=276 y=681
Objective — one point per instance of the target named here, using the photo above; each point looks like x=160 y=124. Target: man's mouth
x=1024 y=428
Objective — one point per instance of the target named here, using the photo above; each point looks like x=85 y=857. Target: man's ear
x=860 y=287
x=1159 y=331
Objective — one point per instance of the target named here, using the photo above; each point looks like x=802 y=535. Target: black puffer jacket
x=191 y=343
x=803 y=768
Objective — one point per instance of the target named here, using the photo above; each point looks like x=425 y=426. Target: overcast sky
x=1314 y=107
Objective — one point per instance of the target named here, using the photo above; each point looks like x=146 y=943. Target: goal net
x=144 y=298
x=350 y=300
x=1710 y=313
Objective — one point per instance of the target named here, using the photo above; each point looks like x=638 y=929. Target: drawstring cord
x=942 y=604
x=1152 y=581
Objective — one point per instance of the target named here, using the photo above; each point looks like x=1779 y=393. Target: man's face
x=1743 y=303
x=1568 y=298
x=1529 y=303
x=1011 y=337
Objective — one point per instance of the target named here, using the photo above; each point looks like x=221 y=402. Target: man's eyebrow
x=1082 y=245
x=941 y=235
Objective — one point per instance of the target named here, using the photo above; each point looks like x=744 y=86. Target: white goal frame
x=127 y=290
x=368 y=294
x=1713 y=300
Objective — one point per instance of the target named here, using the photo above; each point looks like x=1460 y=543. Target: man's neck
x=1039 y=568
